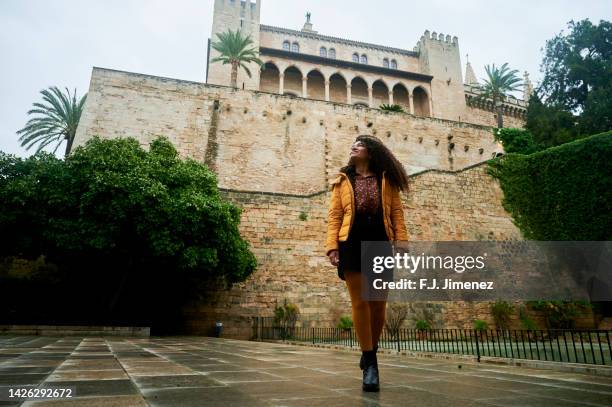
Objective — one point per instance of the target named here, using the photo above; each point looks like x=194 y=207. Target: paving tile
x=107 y=401
x=243 y=376
x=212 y=396
x=21 y=379
x=99 y=388
x=160 y=382
x=77 y=375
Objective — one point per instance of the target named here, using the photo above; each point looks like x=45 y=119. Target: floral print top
x=366 y=194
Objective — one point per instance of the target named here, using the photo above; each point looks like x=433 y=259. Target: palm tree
x=233 y=49
x=56 y=121
x=391 y=108
x=499 y=83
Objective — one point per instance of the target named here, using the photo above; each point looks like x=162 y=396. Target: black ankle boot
x=370 y=371
x=361 y=362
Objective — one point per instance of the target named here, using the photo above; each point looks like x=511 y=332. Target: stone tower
x=439 y=57
x=240 y=15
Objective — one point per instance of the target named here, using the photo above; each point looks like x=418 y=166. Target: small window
x=323 y=52
x=332 y=53
x=364 y=59
x=286 y=45
x=385 y=63
x=355 y=57
x=393 y=64
x=295 y=47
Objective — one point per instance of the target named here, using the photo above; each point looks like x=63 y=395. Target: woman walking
x=365 y=206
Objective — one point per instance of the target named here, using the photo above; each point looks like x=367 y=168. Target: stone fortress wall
x=274 y=155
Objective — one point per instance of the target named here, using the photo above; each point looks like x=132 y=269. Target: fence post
x=477 y=345
x=351 y=337
x=398 y=341
x=312 y=333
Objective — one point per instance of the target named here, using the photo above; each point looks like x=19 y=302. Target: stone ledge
x=66 y=330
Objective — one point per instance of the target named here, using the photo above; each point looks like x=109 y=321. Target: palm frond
x=55 y=120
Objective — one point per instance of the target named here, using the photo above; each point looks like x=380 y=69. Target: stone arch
x=337 y=88
x=269 y=78
x=421 y=102
x=293 y=80
x=380 y=93
x=315 y=85
x=359 y=90
x=401 y=96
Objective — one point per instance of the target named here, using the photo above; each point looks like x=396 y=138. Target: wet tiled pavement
x=201 y=371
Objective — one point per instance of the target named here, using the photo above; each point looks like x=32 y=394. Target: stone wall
x=268 y=142
x=274 y=156
x=442 y=205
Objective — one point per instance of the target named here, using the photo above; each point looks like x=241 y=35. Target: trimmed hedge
x=561 y=193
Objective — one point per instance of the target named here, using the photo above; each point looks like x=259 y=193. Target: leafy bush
x=561 y=193
x=345 y=322
x=559 y=314
x=526 y=321
x=285 y=315
x=480 y=325
x=501 y=311
x=392 y=108
x=422 y=325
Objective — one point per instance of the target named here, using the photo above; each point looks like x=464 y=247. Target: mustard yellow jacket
x=342 y=207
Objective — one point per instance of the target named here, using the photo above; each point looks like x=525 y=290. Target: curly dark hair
x=381 y=159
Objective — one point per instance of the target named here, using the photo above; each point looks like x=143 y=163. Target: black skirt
x=365 y=228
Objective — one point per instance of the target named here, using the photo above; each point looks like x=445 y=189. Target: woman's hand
x=334 y=257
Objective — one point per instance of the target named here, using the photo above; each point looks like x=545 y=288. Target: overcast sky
x=57 y=42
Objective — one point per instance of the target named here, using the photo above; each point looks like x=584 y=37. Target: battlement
x=435 y=37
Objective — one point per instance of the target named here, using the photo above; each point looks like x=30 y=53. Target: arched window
x=385 y=63
x=332 y=53
x=364 y=59
x=393 y=64
x=295 y=47
x=355 y=57
x=323 y=52
x=286 y=45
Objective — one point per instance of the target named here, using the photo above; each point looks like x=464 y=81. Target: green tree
x=577 y=69
x=124 y=221
x=56 y=121
x=496 y=87
x=550 y=125
x=577 y=63
x=516 y=140
x=233 y=47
